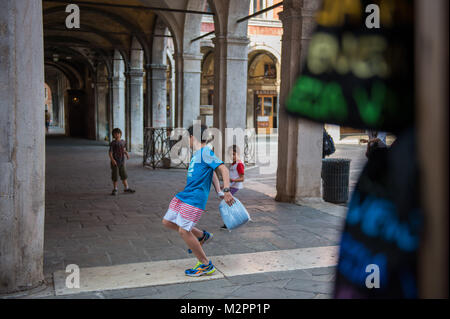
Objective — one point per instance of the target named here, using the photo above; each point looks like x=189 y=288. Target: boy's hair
x=116 y=130
x=235 y=149
x=203 y=128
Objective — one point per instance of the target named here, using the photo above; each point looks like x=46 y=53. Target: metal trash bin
x=335 y=176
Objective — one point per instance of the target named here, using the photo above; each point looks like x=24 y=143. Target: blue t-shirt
x=199 y=178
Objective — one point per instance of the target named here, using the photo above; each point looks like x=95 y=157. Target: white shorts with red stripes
x=182 y=214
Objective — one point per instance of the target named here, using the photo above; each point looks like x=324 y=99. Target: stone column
x=230 y=82
x=136 y=78
x=62 y=87
x=172 y=96
x=22 y=151
x=148 y=97
x=102 y=110
x=159 y=94
x=299 y=140
x=431 y=76
x=178 y=89
x=110 y=107
x=118 y=90
x=250 y=109
x=191 y=88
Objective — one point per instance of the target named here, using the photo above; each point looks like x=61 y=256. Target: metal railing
x=159 y=151
x=250 y=149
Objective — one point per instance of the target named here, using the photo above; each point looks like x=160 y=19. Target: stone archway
x=207 y=77
x=48 y=100
x=59 y=83
x=263 y=92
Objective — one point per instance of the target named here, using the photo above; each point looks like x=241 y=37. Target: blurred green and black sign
x=356 y=75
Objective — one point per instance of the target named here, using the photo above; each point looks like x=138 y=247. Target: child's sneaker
x=114 y=192
x=129 y=190
x=206 y=236
x=200 y=270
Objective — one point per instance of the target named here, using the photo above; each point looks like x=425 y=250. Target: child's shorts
x=182 y=214
x=117 y=171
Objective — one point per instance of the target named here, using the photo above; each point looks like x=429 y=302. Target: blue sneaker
x=206 y=236
x=200 y=270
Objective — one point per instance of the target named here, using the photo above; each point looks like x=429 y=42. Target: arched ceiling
x=103 y=29
x=108 y=25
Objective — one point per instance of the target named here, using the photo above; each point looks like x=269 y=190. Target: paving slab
x=313 y=286
x=281 y=260
x=129 y=276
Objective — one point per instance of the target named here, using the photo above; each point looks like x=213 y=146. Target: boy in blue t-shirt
x=187 y=207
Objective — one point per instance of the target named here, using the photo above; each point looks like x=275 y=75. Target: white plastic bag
x=233 y=216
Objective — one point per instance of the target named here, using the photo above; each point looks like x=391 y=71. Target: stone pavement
x=314 y=283
x=88 y=227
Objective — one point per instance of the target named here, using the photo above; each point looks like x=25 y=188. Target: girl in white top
x=236 y=172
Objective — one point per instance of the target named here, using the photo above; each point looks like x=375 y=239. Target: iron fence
x=160 y=150
x=158 y=146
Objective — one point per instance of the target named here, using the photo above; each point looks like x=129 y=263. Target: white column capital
x=136 y=76
x=136 y=73
x=192 y=57
x=192 y=63
x=230 y=40
x=117 y=79
x=155 y=66
x=101 y=86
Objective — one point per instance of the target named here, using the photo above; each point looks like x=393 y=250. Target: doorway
x=265 y=113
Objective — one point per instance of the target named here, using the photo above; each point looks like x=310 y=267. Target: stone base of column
x=284 y=198
x=34 y=291
x=307 y=201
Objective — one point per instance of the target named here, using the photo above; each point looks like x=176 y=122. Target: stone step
x=172 y=271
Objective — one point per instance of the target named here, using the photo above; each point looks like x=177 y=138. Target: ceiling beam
x=108 y=32
x=125 y=6
x=202 y=36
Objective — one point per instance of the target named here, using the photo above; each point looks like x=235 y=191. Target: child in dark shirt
x=117 y=153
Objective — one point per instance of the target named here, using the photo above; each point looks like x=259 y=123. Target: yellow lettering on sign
x=323 y=50
x=363 y=56
x=348 y=54
x=334 y=12
x=371 y=61
x=329 y=15
x=387 y=8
